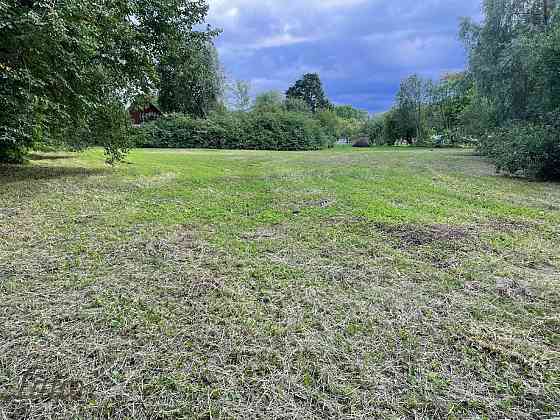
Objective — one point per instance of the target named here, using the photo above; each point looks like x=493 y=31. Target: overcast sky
x=361 y=48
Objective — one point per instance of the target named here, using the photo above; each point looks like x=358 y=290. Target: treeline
x=69 y=71
x=427 y=113
x=302 y=118
x=507 y=102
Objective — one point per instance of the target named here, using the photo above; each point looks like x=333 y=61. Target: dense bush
x=374 y=130
x=361 y=142
x=236 y=130
x=527 y=149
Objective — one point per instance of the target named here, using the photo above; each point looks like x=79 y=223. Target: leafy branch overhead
x=62 y=65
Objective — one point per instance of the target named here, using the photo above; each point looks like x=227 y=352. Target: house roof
x=154 y=105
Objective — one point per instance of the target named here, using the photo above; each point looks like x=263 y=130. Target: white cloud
x=361 y=48
x=279 y=41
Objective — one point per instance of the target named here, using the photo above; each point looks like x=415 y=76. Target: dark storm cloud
x=361 y=48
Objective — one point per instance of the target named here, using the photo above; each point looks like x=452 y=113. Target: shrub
x=361 y=142
x=236 y=130
x=374 y=130
x=331 y=125
x=528 y=149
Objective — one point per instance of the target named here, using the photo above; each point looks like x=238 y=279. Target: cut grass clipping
x=382 y=283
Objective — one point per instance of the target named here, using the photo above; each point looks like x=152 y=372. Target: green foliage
x=429 y=113
x=343 y=123
x=141 y=101
x=447 y=101
x=411 y=104
x=296 y=105
x=348 y=112
x=271 y=101
x=374 y=129
x=479 y=116
x=351 y=121
x=12 y=151
x=235 y=130
x=529 y=149
x=240 y=95
x=398 y=126
x=310 y=90
x=514 y=60
x=191 y=79
x=112 y=131
x=61 y=61
x=331 y=124
x=512 y=55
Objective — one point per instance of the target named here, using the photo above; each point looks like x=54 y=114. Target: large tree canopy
x=67 y=65
x=191 y=79
x=510 y=59
x=310 y=89
x=514 y=60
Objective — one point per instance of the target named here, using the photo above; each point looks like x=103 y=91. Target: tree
x=504 y=52
x=192 y=80
x=64 y=65
x=398 y=126
x=241 y=95
x=296 y=105
x=310 y=90
x=351 y=121
x=411 y=101
x=374 y=129
x=514 y=63
x=271 y=101
x=348 y=112
x=446 y=104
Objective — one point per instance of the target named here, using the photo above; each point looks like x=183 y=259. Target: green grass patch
x=378 y=283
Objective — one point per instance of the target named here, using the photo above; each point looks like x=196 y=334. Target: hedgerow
x=237 y=130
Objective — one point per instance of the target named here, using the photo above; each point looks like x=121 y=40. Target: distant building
x=149 y=112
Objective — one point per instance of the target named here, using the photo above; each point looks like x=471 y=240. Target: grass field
x=382 y=283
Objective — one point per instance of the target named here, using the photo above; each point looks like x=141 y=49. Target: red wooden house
x=149 y=112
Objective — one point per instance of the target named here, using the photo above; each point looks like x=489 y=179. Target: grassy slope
x=346 y=283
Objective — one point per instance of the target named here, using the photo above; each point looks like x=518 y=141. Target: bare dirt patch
x=262 y=234
x=511 y=225
x=414 y=235
x=513 y=289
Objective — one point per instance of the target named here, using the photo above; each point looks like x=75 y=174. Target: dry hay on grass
x=263 y=234
x=122 y=334
x=177 y=328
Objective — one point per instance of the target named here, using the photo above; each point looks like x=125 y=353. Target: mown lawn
x=382 y=283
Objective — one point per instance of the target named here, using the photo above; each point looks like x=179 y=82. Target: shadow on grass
x=36 y=157
x=16 y=173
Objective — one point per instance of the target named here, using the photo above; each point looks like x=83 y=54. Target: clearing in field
x=353 y=284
